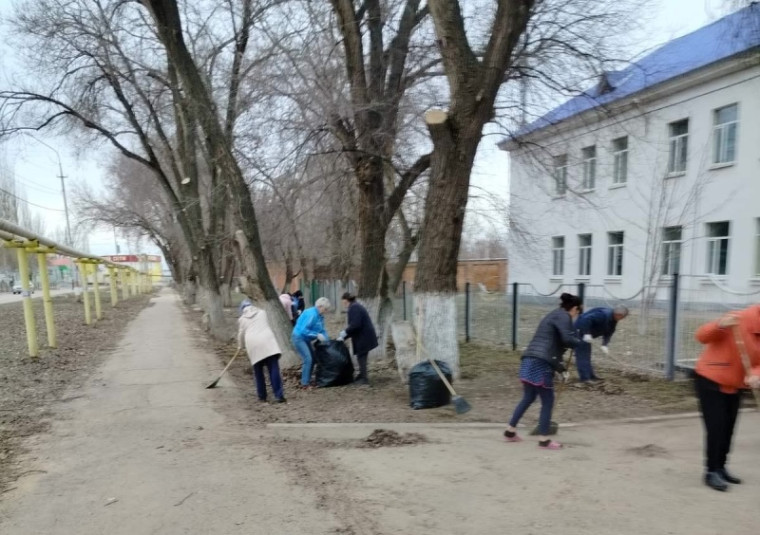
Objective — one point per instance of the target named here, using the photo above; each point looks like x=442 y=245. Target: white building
x=655 y=171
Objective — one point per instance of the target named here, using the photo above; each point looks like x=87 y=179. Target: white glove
x=605 y=350
x=753 y=381
x=566 y=376
x=321 y=337
x=588 y=338
x=342 y=335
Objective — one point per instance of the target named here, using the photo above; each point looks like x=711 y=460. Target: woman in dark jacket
x=361 y=332
x=541 y=359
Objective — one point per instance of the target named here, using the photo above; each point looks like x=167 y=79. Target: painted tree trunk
x=435 y=321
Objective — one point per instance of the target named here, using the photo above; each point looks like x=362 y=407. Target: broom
x=460 y=404
x=213 y=384
x=746 y=364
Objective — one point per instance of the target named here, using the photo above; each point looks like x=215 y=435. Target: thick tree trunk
x=435 y=284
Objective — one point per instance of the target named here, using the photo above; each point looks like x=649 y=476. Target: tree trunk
x=435 y=280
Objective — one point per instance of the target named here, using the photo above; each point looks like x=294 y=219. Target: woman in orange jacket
x=720 y=375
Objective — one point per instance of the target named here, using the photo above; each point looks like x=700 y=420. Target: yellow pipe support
x=31 y=326
x=96 y=289
x=85 y=292
x=124 y=287
x=112 y=283
x=46 y=300
x=134 y=283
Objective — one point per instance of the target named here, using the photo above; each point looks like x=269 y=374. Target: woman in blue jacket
x=600 y=321
x=310 y=327
x=541 y=359
x=361 y=332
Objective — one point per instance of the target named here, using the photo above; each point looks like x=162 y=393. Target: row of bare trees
x=337 y=135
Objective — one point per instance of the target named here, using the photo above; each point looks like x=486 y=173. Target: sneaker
x=280 y=400
x=550 y=445
x=512 y=436
x=262 y=400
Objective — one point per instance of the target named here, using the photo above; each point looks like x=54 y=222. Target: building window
x=560 y=174
x=614 y=254
x=679 y=138
x=757 y=247
x=584 y=255
x=620 y=158
x=589 y=168
x=671 y=250
x=717 y=247
x=558 y=255
x=726 y=121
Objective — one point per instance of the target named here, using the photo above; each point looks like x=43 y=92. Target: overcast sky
x=36 y=165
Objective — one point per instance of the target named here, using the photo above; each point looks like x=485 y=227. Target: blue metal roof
x=724 y=38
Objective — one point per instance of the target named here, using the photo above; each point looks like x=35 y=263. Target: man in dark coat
x=361 y=332
x=600 y=321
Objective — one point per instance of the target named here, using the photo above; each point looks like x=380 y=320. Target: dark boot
x=728 y=478
x=714 y=481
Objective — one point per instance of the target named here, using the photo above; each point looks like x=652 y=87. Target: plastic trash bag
x=334 y=366
x=426 y=390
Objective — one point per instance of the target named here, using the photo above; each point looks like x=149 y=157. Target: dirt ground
x=28 y=387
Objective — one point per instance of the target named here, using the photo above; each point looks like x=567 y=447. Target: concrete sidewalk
x=144 y=449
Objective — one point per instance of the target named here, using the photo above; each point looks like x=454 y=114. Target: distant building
x=144 y=263
x=655 y=171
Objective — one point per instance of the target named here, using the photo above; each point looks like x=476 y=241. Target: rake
x=213 y=384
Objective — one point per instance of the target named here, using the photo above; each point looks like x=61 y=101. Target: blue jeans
x=583 y=361
x=530 y=392
x=275 y=379
x=303 y=347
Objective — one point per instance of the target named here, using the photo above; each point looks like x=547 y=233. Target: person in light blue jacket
x=310 y=327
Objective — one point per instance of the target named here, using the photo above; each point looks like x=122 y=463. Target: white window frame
x=589 y=168
x=721 y=133
x=615 y=254
x=584 y=255
x=558 y=256
x=620 y=161
x=560 y=175
x=716 y=244
x=671 y=251
x=678 y=149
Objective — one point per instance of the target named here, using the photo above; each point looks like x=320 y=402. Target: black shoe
x=262 y=400
x=714 y=481
x=280 y=400
x=361 y=380
x=596 y=378
x=728 y=478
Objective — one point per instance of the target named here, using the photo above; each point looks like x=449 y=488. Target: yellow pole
x=31 y=327
x=112 y=283
x=85 y=292
x=134 y=282
x=124 y=287
x=47 y=301
x=96 y=289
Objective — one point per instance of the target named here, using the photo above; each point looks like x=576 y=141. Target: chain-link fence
x=656 y=337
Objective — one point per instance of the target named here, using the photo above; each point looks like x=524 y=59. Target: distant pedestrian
x=256 y=336
x=541 y=359
x=720 y=374
x=600 y=321
x=310 y=328
x=287 y=304
x=360 y=330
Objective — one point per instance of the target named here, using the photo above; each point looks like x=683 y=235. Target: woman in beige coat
x=261 y=345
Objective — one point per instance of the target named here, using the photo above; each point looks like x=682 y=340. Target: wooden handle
x=443 y=377
x=746 y=364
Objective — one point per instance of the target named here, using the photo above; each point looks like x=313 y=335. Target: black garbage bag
x=334 y=366
x=426 y=390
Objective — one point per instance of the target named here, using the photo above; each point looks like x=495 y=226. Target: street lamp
x=69 y=241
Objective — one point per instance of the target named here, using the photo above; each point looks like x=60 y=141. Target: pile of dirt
x=381 y=438
x=648 y=450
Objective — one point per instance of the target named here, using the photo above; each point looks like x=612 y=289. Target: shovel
x=213 y=384
x=460 y=404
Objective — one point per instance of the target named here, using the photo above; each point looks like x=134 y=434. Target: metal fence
x=657 y=336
